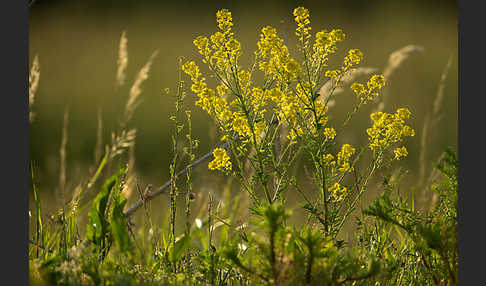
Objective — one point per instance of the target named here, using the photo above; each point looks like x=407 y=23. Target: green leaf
x=118 y=223
x=431 y=235
x=97 y=227
x=180 y=247
x=38 y=215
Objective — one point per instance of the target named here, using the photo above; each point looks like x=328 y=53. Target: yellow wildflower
x=302 y=19
x=202 y=44
x=293 y=68
x=325 y=44
x=218 y=39
x=400 y=152
x=358 y=89
x=294 y=133
x=353 y=58
x=366 y=94
x=240 y=124
x=268 y=39
x=221 y=160
x=233 y=47
x=258 y=99
x=221 y=90
x=388 y=129
x=301 y=14
x=376 y=82
x=328 y=160
x=244 y=78
x=191 y=69
x=330 y=133
x=403 y=113
x=343 y=158
x=224 y=19
x=334 y=74
x=338 y=192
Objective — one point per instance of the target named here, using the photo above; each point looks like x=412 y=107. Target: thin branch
x=150 y=195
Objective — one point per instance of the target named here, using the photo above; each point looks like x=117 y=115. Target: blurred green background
x=77 y=44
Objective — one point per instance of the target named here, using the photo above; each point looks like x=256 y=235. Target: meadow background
x=77 y=44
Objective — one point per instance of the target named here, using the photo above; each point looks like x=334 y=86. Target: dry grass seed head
x=397 y=57
x=122 y=60
x=136 y=90
x=34 y=77
x=121 y=142
x=395 y=60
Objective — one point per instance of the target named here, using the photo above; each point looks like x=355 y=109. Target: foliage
x=265 y=129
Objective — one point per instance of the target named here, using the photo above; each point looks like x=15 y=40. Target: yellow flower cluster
x=221 y=160
x=294 y=109
x=202 y=44
x=287 y=105
x=258 y=99
x=365 y=94
x=322 y=119
x=376 y=82
x=334 y=74
x=338 y=192
x=353 y=58
x=292 y=91
x=328 y=160
x=302 y=19
x=325 y=44
x=224 y=19
x=225 y=49
x=212 y=102
x=295 y=133
x=275 y=60
x=400 y=152
x=343 y=158
x=389 y=129
x=240 y=124
x=244 y=77
x=330 y=133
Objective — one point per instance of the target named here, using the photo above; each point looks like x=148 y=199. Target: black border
x=15 y=147
x=471 y=195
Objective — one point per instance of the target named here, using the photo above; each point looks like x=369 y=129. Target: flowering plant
x=251 y=114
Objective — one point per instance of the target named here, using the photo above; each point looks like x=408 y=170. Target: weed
x=271 y=117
